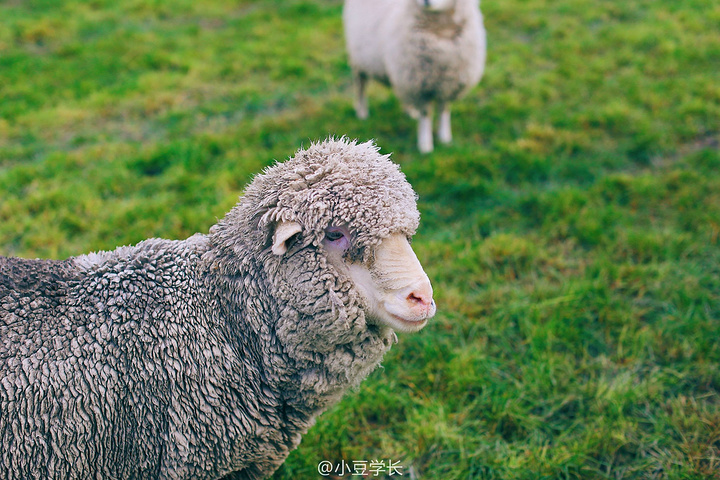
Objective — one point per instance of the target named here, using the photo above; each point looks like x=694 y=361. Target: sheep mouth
x=403 y=324
x=408 y=321
x=396 y=322
x=406 y=318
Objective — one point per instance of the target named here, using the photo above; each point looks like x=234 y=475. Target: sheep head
x=356 y=211
x=329 y=228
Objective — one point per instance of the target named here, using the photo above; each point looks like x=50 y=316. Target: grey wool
x=203 y=358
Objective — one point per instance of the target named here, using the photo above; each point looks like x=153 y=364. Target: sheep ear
x=283 y=233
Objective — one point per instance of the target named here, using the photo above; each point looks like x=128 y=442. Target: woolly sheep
x=211 y=356
x=429 y=51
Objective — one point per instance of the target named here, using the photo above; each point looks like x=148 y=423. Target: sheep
x=428 y=51
x=210 y=357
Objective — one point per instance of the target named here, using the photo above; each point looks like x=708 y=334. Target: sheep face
x=393 y=286
x=395 y=289
x=436 y=5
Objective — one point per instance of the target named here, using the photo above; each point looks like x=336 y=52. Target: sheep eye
x=334 y=235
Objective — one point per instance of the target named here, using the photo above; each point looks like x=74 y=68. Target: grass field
x=571 y=231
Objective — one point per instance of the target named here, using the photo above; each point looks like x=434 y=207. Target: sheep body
x=427 y=55
x=112 y=366
x=202 y=358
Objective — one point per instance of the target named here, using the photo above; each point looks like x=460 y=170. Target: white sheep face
x=396 y=290
x=436 y=5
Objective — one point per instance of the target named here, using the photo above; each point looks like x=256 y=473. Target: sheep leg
x=361 y=101
x=444 y=129
x=425 y=132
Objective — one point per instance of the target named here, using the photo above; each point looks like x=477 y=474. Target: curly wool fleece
x=201 y=358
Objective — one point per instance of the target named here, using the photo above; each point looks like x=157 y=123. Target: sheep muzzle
x=396 y=289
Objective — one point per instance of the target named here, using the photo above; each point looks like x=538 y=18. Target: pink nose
x=421 y=298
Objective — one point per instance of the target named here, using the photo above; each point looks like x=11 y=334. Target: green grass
x=572 y=230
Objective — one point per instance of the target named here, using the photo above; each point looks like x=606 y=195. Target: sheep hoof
x=425 y=135
x=444 y=129
x=425 y=146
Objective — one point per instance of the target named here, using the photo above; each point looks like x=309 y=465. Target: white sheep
x=212 y=356
x=429 y=51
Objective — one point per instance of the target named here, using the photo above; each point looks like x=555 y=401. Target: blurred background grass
x=571 y=230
